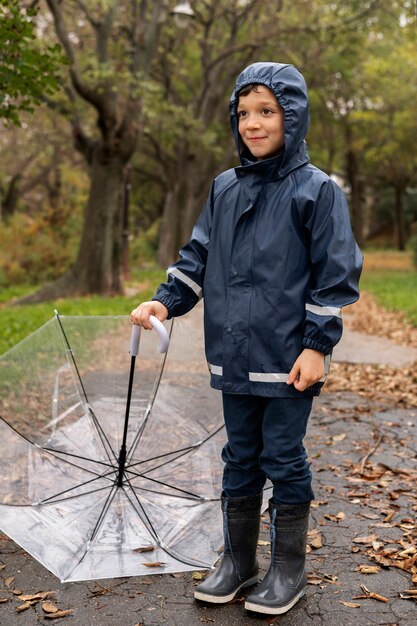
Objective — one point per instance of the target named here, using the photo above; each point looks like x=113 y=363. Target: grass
x=391 y=278
x=18 y=321
x=388 y=275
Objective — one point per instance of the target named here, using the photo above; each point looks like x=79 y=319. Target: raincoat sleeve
x=336 y=263
x=184 y=286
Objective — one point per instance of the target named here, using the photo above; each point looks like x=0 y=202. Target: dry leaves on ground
x=375 y=380
x=29 y=600
x=366 y=316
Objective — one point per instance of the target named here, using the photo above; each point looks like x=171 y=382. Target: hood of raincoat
x=290 y=89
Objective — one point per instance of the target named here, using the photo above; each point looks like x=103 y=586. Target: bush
x=143 y=248
x=32 y=251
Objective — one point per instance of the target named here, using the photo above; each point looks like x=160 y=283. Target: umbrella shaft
x=122 y=453
x=122 y=463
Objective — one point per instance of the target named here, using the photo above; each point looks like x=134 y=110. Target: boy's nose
x=253 y=122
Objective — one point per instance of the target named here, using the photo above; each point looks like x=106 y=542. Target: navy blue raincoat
x=272 y=253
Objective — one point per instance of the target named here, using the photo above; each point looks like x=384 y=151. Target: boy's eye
x=266 y=112
x=241 y=114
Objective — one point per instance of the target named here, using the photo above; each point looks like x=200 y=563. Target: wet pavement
x=362 y=540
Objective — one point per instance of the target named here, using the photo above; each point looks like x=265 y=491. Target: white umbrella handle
x=160 y=329
x=134 y=340
x=162 y=332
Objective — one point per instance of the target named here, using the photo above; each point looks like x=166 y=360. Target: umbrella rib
x=172 y=495
x=183 y=559
x=160 y=482
x=158 y=539
x=162 y=456
x=106 y=507
x=51 y=499
x=77 y=486
x=101 y=433
x=96 y=527
x=78 y=456
x=151 y=528
x=183 y=451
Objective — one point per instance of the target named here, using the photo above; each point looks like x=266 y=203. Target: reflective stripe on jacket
x=273 y=255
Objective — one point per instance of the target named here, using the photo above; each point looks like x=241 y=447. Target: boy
x=274 y=255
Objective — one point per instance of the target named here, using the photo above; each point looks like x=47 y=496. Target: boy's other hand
x=307 y=370
x=141 y=314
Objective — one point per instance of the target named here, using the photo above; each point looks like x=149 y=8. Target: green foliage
x=16 y=322
x=143 y=247
x=27 y=71
x=33 y=250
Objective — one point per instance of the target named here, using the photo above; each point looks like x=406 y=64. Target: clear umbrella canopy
x=63 y=403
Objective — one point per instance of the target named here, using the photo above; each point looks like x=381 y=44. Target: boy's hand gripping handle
x=160 y=329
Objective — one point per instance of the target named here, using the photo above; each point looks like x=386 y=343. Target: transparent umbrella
x=106 y=471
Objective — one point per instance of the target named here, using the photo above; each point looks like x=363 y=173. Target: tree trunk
x=168 y=234
x=11 y=197
x=399 y=217
x=183 y=204
x=97 y=268
x=98 y=263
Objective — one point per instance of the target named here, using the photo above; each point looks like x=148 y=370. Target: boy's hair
x=247 y=89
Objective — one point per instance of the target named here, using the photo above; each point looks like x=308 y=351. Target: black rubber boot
x=286 y=579
x=239 y=567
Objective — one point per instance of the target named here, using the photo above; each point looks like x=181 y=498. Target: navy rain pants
x=265 y=440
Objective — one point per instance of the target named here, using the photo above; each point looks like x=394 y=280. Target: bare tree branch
x=90 y=95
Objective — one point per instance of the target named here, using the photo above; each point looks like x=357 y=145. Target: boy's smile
x=261 y=122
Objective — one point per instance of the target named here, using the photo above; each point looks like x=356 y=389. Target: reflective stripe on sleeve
x=185 y=279
x=324 y=310
x=217 y=370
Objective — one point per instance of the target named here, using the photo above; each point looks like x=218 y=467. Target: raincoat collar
x=289 y=88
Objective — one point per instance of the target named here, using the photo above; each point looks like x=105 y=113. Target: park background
x=115 y=121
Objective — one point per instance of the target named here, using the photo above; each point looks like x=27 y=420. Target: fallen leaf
x=8 y=581
x=370 y=594
x=23 y=607
x=35 y=597
x=59 y=614
x=335 y=518
x=368 y=569
x=49 y=607
x=198 y=576
x=3 y=600
x=337 y=438
x=315 y=539
x=351 y=605
x=154 y=564
x=368 y=539
x=144 y=549
x=261 y=542
x=410 y=592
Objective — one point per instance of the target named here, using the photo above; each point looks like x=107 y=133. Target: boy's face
x=261 y=122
